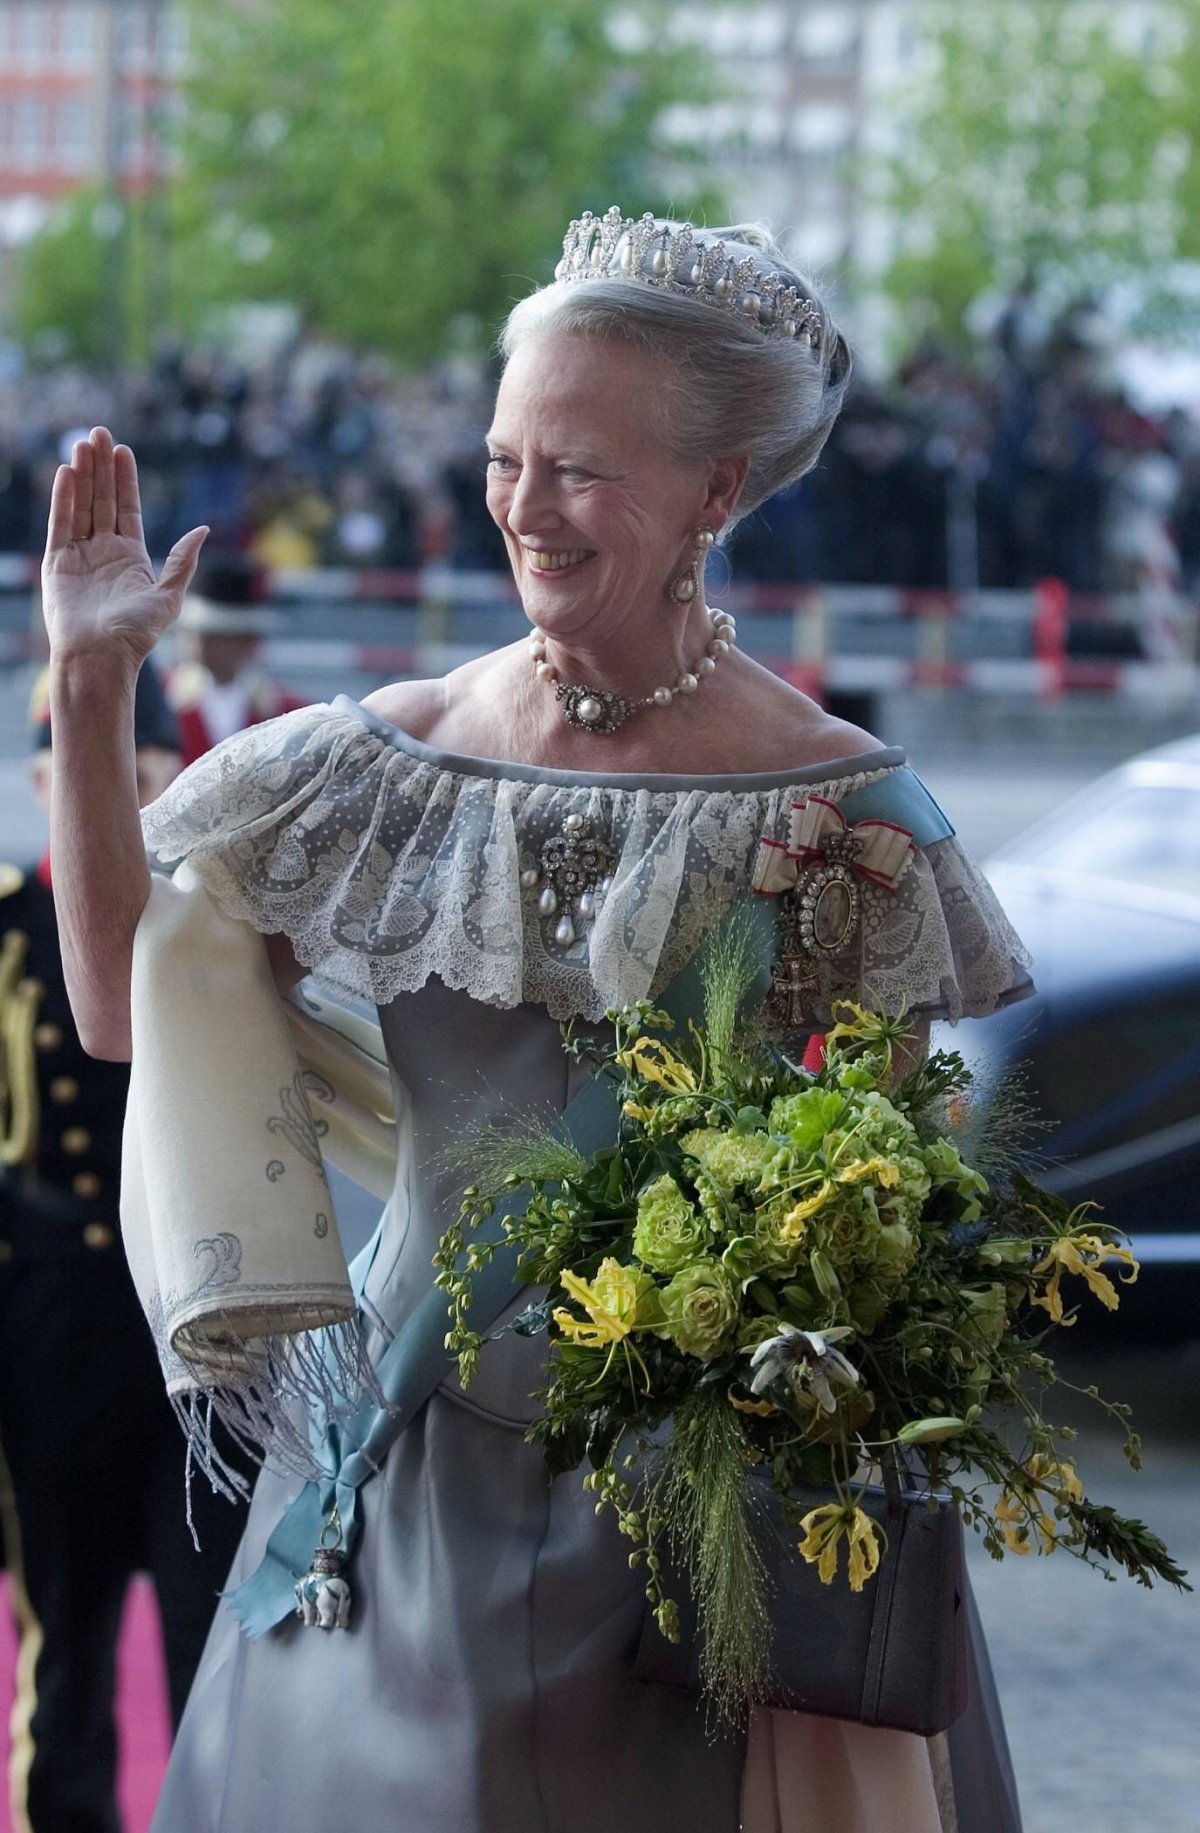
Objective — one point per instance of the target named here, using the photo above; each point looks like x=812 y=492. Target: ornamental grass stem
x=702 y=1492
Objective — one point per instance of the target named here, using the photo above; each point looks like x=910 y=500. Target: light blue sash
x=901 y=797
x=417 y=1361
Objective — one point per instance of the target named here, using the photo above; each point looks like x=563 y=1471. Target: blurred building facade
x=85 y=84
x=85 y=88
x=805 y=78
x=809 y=105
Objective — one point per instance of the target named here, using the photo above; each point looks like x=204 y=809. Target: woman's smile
x=546 y=561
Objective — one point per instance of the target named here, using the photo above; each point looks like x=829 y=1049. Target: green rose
x=781 y=1252
x=730 y=1158
x=669 y=1230
x=700 y=1309
x=806 y=1118
x=895 y=1248
x=744 y=1259
x=860 y=1235
x=755 y=1330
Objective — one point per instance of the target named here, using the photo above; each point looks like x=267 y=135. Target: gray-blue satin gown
x=485 y=1683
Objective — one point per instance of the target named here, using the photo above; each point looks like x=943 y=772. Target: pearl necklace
x=599 y=709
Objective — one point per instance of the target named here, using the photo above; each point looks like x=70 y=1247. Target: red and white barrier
x=810 y=620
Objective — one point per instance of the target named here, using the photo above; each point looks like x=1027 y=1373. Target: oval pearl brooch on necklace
x=599 y=709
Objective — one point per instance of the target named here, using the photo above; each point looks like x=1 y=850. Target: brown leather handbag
x=893 y=1654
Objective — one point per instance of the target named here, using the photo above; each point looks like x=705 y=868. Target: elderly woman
x=407 y=850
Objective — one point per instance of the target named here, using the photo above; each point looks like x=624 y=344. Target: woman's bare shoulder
x=770 y=725
x=756 y=722
x=447 y=709
x=414 y=706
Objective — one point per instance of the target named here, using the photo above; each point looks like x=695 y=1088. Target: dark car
x=1106 y=894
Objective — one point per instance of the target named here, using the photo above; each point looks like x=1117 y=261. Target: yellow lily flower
x=1025 y=1514
x=611 y=1303
x=859 y=1026
x=865 y=1550
x=863 y=1027
x=654 y=1062
x=825 y=1528
x=1083 y=1254
x=1010 y=1513
x=793 y=1225
x=822 y=1529
x=883 y=1170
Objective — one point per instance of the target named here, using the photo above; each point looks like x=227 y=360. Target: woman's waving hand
x=104 y=612
x=99 y=591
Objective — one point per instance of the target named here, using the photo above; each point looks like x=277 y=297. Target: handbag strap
x=894 y=1469
x=885 y=1582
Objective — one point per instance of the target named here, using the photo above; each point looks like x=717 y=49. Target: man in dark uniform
x=94 y=1456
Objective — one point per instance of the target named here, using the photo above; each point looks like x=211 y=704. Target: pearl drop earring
x=686 y=586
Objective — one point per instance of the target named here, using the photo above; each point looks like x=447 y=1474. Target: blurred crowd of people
x=312 y=456
x=1026 y=461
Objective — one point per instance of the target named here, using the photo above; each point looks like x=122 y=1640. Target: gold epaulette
x=11 y=879
x=20 y=997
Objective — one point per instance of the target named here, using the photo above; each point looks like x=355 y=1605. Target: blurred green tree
x=1048 y=141
x=81 y=281
x=401 y=171
x=93 y=286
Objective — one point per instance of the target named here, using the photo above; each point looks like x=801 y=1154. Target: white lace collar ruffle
x=386 y=862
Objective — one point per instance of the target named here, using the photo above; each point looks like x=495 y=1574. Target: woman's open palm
x=99 y=593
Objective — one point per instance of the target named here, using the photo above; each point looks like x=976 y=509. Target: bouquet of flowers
x=798 y=1270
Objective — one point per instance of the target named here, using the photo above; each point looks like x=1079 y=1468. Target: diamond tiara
x=616 y=247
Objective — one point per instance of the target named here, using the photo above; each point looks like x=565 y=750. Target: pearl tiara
x=679 y=260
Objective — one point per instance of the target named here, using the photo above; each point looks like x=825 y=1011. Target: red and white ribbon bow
x=819 y=834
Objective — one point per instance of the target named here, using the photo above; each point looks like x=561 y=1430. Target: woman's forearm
x=101 y=879
x=104 y=611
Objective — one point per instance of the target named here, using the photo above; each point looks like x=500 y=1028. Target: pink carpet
x=143 y=1724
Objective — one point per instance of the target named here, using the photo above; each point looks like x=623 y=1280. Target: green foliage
x=82 y=281
x=405 y=173
x=1043 y=141
x=701 y=1492
x=783 y=1264
x=106 y=275
x=1128 y=1543
x=728 y=973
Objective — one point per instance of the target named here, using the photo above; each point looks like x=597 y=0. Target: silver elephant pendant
x=323 y=1595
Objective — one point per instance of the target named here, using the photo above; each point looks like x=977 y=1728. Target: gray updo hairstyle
x=735 y=389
